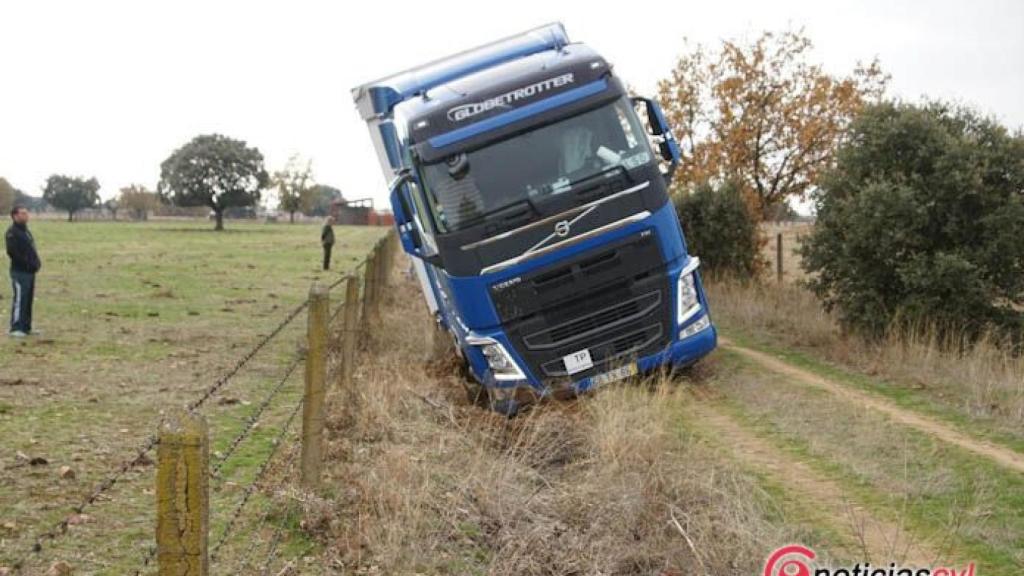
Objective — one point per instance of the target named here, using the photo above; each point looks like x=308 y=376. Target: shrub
x=721 y=229
x=922 y=223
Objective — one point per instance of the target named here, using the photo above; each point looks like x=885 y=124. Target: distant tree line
x=223 y=174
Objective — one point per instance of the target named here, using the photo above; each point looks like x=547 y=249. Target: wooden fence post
x=316 y=374
x=369 y=280
x=778 y=257
x=183 y=497
x=350 y=327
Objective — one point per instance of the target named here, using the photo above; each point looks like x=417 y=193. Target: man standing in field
x=21 y=248
x=327 y=241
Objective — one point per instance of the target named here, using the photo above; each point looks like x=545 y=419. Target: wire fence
x=281 y=398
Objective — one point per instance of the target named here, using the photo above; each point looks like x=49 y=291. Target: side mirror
x=658 y=125
x=402 y=210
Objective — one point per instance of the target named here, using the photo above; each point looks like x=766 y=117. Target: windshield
x=542 y=163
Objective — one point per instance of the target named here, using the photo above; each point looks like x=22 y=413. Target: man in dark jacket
x=327 y=241
x=21 y=248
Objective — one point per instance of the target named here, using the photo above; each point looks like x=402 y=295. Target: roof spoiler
x=376 y=99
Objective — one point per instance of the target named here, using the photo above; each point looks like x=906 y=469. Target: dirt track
x=878 y=538
x=1001 y=455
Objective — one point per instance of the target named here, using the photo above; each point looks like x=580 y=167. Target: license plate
x=613 y=375
x=578 y=361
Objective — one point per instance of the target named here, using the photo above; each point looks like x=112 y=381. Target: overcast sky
x=109 y=89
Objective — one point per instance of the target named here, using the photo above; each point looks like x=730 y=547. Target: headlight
x=499 y=360
x=701 y=324
x=687 y=303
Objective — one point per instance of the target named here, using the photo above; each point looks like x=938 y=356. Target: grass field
x=790 y=432
x=137 y=319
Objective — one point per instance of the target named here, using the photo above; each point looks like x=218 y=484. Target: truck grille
x=588 y=324
x=612 y=301
x=618 y=349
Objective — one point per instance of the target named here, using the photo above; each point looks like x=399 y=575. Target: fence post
x=382 y=272
x=183 y=497
x=316 y=373
x=351 y=325
x=370 y=272
x=385 y=258
x=778 y=257
x=390 y=247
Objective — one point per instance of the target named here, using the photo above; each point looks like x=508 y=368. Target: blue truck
x=531 y=191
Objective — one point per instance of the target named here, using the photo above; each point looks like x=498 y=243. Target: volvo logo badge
x=562 y=229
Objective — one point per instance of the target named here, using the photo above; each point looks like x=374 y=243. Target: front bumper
x=679 y=354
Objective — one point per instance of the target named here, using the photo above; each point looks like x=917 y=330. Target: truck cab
x=531 y=191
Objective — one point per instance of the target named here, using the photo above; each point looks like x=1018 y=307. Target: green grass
x=900 y=393
x=138 y=319
x=889 y=468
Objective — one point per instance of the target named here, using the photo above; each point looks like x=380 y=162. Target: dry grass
x=427 y=483
x=979 y=379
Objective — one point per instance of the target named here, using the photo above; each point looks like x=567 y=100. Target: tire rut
x=880 y=539
x=1001 y=455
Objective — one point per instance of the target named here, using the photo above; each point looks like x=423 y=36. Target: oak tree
x=71 y=193
x=762 y=113
x=216 y=171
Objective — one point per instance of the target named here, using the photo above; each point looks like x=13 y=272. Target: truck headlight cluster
x=498 y=359
x=688 y=304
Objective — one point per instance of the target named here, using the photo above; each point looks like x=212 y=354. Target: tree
x=763 y=114
x=139 y=201
x=113 y=206
x=7 y=196
x=920 y=223
x=34 y=203
x=71 y=193
x=323 y=196
x=294 y=187
x=721 y=229
x=215 y=171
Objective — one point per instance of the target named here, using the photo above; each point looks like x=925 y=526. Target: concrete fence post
x=382 y=274
x=778 y=257
x=389 y=247
x=350 y=327
x=316 y=374
x=183 y=497
x=369 y=280
x=385 y=258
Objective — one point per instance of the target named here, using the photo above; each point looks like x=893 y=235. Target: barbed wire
x=196 y=404
x=146 y=560
x=152 y=440
x=61 y=527
x=254 y=484
x=250 y=423
x=271 y=551
x=248 y=556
